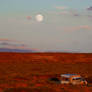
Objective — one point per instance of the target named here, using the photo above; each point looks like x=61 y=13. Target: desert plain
x=30 y=72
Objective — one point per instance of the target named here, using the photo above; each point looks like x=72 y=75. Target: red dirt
x=46 y=57
x=29 y=72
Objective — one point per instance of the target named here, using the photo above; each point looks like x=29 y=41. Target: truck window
x=65 y=79
x=77 y=78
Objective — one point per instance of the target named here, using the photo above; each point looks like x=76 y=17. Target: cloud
x=3 y=39
x=70 y=12
x=61 y=7
x=90 y=17
x=76 y=15
x=13 y=44
x=29 y=17
x=85 y=27
x=64 y=13
x=67 y=11
x=89 y=8
x=82 y=27
x=74 y=12
x=8 y=40
x=6 y=43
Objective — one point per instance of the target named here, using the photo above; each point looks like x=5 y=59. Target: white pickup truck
x=73 y=79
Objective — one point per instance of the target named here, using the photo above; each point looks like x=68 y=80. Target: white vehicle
x=73 y=79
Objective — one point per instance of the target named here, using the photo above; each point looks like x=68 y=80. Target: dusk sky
x=65 y=25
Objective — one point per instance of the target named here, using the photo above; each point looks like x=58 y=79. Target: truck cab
x=73 y=79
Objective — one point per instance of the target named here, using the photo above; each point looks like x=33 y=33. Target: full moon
x=39 y=18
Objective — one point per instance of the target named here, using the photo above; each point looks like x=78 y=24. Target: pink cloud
x=64 y=12
x=61 y=7
x=8 y=40
x=85 y=27
x=75 y=28
x=4 y=39
x=29 y=17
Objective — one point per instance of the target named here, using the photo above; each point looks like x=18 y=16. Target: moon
x=39 y=18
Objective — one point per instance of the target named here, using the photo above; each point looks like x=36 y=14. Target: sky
x=66 y=24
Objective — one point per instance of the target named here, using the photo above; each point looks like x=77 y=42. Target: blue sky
x=66 y=26
x=11 y=6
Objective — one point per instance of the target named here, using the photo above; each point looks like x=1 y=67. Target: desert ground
x=30 y=72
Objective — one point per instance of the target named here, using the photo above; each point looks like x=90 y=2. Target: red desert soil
x=29 y=72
